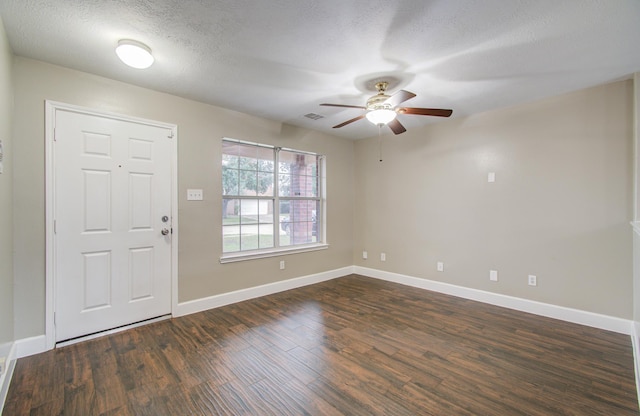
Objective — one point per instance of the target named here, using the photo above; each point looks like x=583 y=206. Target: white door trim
x=50 y=112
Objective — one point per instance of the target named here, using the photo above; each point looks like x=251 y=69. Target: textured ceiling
x=279 y=59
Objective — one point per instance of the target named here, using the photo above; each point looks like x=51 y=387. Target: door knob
x=165 y=231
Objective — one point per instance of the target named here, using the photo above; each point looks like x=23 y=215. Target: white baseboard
x=30 y=346
x=9 y=352
x=37 y=344
x=609 y=323
x=199 y=305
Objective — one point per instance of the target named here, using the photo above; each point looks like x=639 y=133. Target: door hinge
x=55 y=227
x=55 y=139
x=170 y=134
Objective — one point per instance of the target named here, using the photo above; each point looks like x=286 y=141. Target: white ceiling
x=279 y=59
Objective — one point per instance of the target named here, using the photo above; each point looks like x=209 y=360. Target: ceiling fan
x=382 y=109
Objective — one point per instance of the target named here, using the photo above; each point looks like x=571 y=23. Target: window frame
x=320 y=200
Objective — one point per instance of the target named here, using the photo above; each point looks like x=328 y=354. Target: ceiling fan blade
x=399 y=97
x=437 y=112
x=344 y=105
x=396 y=127
x=348 y=122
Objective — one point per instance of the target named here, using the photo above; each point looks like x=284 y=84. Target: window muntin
x=255 y=194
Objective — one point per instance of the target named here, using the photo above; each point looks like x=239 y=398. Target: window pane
x=265 y=183
x=230 y=154
x=247 y=169
x=301 y=233
x=229 y=181
x=230 y=242
x=230 y=226
x=284 y=182
x=230 y=161
x=248 y=182
x=265 y=212
x=265 y=219
x=249 y=209
x=301 y=221
x=266 y=236
x=284 y=207
x=298 y=174
x=265 y=160
x=249 y=237
x=230 y=211
x=286 y=159
x=315 y=229
x=247 y=224
x=248 y=157
x=304 y=186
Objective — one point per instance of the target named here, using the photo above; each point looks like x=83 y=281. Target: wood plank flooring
x=350 y=346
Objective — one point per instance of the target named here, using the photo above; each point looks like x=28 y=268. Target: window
x=272 y=200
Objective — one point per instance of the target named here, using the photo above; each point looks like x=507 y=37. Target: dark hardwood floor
x=351 y=346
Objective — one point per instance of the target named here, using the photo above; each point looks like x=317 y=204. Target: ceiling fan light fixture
x=135 y=54
x=381 y=116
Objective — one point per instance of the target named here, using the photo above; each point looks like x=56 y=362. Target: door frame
x=50 y=192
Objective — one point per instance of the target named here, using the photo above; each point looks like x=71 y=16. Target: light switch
x=194 y=195
x=491 y=177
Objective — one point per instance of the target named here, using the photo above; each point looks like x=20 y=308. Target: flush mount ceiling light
x=135 y=54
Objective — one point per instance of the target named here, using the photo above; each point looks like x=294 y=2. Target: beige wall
x=200 y=129
x=559 y=209
x=6 y=198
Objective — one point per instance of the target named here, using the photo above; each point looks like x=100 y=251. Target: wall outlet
x=364 y=255
x=533 y=280
x=493 y=275
x=383 y=257
x=194 y=195
x=440 y=266
x=3 y=361
x=281 y=264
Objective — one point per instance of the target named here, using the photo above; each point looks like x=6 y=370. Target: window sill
x=235 y=257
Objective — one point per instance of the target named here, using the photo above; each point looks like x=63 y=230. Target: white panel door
x=112 y=188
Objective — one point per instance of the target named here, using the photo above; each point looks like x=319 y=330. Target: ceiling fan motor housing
x=377 y=102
